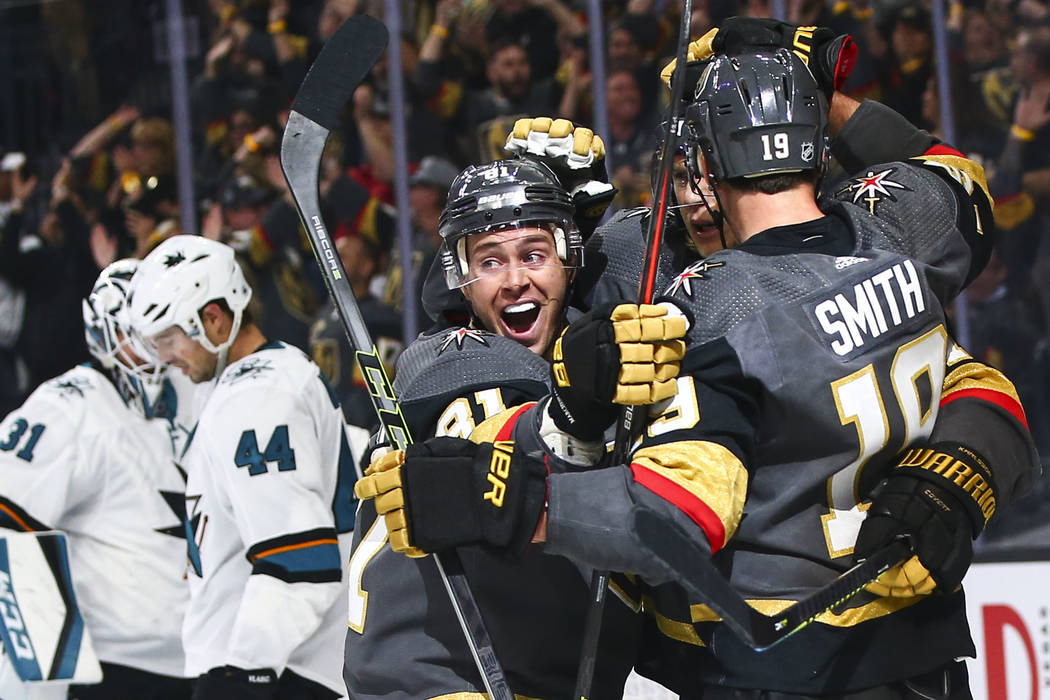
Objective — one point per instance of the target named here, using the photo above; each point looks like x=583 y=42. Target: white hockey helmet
x=178 y=279
x=110 y=340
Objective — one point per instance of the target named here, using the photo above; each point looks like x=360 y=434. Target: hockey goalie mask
x=178 y=279
x=111 y=341
x=757 y=114
x=506 y=196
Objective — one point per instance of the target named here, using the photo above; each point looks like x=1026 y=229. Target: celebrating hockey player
x=269 y=491
x=819 y=351
x=91 y=452
x=512 y=246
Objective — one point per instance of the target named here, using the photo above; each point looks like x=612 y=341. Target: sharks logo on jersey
x=71 y=386
x=194 y=524
x=246 y=369
x=176 y=500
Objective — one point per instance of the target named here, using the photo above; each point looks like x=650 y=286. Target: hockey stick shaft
x=626 y=428
x=343 y=62
x=691 y=567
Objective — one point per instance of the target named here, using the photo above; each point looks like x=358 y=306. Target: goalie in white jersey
x=91 y=453
x=269 y=494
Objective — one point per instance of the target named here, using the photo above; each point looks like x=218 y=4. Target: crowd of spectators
x=471 y=67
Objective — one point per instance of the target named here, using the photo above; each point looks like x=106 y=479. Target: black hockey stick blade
x=344 y=61
x=692 y=569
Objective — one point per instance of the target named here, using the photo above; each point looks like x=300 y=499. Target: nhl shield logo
x=807 y=151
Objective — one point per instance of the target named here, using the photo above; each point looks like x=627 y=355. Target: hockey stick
x=691 y=567
x=625 y=429
x=344 y=61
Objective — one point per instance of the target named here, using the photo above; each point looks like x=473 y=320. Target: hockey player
x=85 y=454
x=269 y=499
x=512 y=246
x=798 y=444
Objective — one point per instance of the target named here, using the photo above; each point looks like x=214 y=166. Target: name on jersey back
x=874 y=306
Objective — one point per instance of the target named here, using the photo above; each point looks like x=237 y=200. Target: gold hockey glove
x=576 y=155
x=698 y=50
x=626 y=354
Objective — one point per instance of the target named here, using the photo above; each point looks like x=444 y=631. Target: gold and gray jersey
x=817 y=352
x=404 y=640
x=614 y=256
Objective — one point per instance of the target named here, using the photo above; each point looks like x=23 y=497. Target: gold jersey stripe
x=964 y=165
x=706 y=470
x=700 y=613
x=489 y=429
x=975 y=375
x=674 y=629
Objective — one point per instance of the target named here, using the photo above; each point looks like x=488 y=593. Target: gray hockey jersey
x=818 y=352
x=404 y=640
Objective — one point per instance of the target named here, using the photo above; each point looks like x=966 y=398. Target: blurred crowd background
x=88 y=154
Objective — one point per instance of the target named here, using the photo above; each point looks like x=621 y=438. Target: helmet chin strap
x=222 y=350
x=563 y=315
x=717 y=215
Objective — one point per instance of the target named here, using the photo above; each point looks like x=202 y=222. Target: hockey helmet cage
x=758 y=114
x=505 y=194
x=111 y=341
x=178 y=279
x=693 y=71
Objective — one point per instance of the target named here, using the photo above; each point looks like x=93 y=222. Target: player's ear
x=216 y=322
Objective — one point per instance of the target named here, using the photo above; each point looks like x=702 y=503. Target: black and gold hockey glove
x=615 y=355
x=830 y=58
x=225 y=682
x=576 y=155
x=448 y=492
x=940 y=496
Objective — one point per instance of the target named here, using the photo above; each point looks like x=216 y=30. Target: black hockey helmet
x=505 y=194
x=758 y=114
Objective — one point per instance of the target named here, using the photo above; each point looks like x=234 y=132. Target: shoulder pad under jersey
x=460 y=359
x=612 y=261
x=927 y=209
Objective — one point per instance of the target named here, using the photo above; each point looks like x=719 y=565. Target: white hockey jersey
x=270 y=501
x=74 y=457
x=181 y=404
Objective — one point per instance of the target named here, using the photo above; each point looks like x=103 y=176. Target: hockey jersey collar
x=831 y=234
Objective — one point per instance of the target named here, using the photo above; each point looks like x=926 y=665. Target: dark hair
x=775 y=183
x=501 y=44
x=246 y=315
